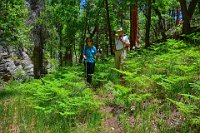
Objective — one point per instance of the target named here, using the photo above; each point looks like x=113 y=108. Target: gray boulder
x=15 y=65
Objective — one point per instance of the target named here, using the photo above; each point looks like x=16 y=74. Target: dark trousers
x=89 y=68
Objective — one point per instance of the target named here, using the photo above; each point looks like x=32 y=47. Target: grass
x=158 y=92
x=56 y=103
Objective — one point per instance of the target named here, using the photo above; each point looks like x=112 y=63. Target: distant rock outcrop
x=14 y=63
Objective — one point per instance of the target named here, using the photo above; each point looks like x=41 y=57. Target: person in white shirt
x=122 y=44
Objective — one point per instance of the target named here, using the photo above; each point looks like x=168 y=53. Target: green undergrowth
x=157 y=91
x=194 y=38
x=158 y=88
x=61 y=100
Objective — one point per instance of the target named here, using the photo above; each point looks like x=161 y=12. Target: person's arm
x=84 y=54
x=95 y=50
x=125 y=41
x=85 y=57
x=95 y=53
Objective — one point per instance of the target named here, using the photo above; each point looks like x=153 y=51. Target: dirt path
x=110 y=122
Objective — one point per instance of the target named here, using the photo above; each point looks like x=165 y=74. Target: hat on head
x=120 y=29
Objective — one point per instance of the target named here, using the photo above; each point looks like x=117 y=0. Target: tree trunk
x=148 y=24
x=187 y=14
x=97 y=38
x=69 y=48
x=51 y=51
x=109 y=27
x=134 y=24
x=59 y=29
x=186 y=23
x=173 y=18
x=69 y=56
x=82 y=46
x=191 y=8
x=113 y=40
x=38 y=36
x=155 y=31
x=38 y=52
x=177 y=15
x=75 y=53
x=199 y=7
x=161 y=22
x=107 y=47
x=83 y=39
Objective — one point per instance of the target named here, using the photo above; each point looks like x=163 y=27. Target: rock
x=19 y=73
x=2 y=67
x=28 y=66
x=25 y=56
x=26 y=63
x=10 y=66
x=15 y=63
x=5 y=55
x=1 y=49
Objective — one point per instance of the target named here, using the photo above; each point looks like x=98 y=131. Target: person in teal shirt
x=89 y=53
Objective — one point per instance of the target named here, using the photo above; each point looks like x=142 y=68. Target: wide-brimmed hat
x=120 y=29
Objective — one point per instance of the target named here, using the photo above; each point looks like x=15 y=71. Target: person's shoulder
x=86 y=47
x=124 y=35
x=94 y=47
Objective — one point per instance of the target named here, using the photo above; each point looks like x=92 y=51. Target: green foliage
x=13 y=28
x=190 y=107
x=152 y=79
x=169 y=70
x=166 y=71
x=60 y=93
x=124 y=97
x=194 y=37
x=185 y=108
x=165 y=5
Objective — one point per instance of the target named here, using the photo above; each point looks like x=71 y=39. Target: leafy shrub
x=62 y=92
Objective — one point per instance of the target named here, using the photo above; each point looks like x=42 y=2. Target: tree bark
x=59 y=29
x=107 y=47
x=71 y=45
x=187 y=14
x=161 y=22
x=109 y=27
x=83 y=39
x=199 y=7
x=191 y=8
x=39 y=40
x=155 y=32
x=186 y=23
x=177 y=15
x=148 y=24
x=173 y=19
x=51 y=51
x=97 y=38
x=133 y=24
x=69 y=56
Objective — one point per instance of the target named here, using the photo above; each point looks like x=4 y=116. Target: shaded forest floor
x=158 y=91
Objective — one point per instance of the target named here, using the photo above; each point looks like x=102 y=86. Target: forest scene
x=99 y=66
